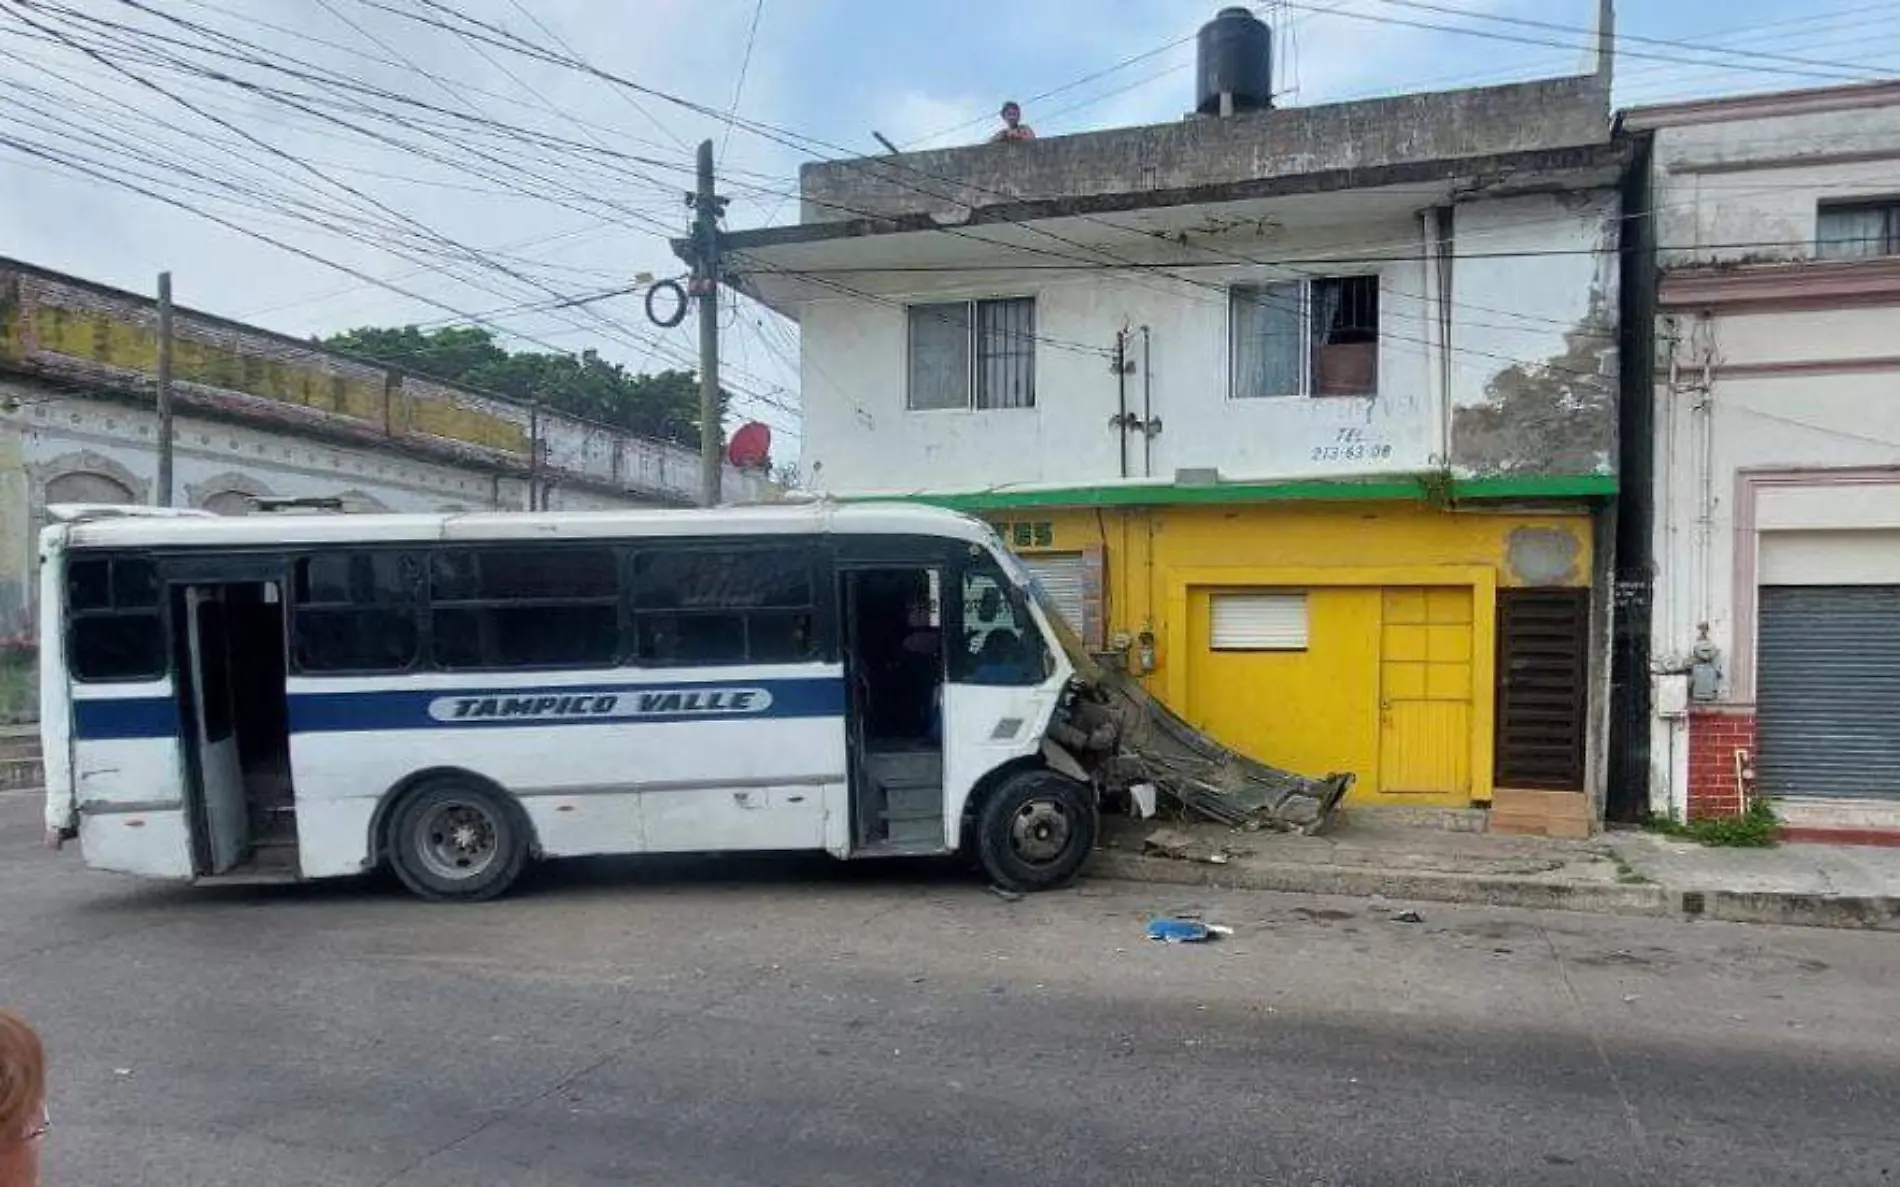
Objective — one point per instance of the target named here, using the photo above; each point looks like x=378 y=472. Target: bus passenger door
x=220 y=818
x=892 y=630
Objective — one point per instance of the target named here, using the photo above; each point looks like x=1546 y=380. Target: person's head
x=22 y=1101
x=1012 y=113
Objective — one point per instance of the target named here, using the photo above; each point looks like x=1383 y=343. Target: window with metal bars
x=972 y=354
x=1306 y=338
x=1858 y=230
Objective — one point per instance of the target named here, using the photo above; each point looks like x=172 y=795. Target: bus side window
x=355 y=612
x=117 y=632
x=700 y=606
x=534 y=607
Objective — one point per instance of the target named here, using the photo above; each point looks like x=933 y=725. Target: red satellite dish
x=751 y=446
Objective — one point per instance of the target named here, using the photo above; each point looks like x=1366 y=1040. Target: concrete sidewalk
x=1624 y=872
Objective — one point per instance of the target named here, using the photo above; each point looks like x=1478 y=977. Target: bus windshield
x=1065 y=635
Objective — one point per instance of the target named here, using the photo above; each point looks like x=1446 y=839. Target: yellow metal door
x=1425 y=679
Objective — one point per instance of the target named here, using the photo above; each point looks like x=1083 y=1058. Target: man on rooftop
x=1013 y=126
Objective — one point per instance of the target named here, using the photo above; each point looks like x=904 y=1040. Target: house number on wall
x=1039 y=533
x=1352 y=445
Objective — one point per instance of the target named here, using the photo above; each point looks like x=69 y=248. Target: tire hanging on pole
x=679 y=307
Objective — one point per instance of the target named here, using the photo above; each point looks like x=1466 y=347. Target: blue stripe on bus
x=483 y=708
x=139 y=717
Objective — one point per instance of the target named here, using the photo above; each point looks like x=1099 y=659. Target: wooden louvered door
x=1543 y=673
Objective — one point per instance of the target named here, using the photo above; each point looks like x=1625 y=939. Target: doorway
x=229 y=639
x=894 y=640
x=1425 y=694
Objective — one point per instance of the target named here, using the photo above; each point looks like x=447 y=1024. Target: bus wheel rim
x=1039 y=832
x=457 y=840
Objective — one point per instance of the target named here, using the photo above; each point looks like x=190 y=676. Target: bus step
x=912 y=801
x=909 y=830
x=268 y=865
x=921 y=846
x=905 y=770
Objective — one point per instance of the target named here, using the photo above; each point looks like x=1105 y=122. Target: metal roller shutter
x=1258 y=622
x=1064 y=576
x=1827 y=710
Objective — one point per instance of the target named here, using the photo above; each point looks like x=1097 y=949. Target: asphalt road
x=803 y=1022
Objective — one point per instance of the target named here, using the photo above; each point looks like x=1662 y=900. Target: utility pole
x=162 y=492
x=706 y=211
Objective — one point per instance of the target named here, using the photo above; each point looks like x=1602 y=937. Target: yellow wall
x=125 y=337
x=1346 y=702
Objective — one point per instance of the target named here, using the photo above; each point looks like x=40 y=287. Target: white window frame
x=1305 y=284
x=971 y=361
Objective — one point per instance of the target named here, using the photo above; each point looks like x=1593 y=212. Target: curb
x=1856 y=912
x=1779 y=908
x=1488 y=890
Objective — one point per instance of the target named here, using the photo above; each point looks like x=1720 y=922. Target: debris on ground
x=1141 y=800
x=1176 y=930
x=1408 y=917
x=1181 y=845
x=1007 y=895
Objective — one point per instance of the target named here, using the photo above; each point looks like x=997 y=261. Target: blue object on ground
x=1178 y=931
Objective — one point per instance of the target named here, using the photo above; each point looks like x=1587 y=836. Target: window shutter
x=1064 y=577
x=1259 y=622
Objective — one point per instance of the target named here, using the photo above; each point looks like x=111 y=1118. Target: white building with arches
x=261 y=415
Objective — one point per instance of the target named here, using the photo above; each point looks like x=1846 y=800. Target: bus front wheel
x=1036 y=830
x=455 y=839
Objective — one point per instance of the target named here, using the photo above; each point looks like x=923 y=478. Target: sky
x=317 y=165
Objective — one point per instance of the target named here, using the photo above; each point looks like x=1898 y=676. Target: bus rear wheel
x=456 y=839
x=1036 y=830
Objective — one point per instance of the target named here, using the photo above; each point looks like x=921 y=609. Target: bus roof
x=280 y=530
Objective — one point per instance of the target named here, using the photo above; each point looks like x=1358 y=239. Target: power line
x=675 y=137
x=1621 y=37
x=72 y=164
x=1716 y=39
x=1157 y=266
x=745 y=62
x=1067 y=86
x=1520 y=39
x=781 y=136
x=292 y=159
x=262 y=58
x=490 y=262
x=252 y=233
x=1072 y=260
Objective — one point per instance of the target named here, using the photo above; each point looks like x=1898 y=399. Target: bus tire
x=457 y=839
x=1035 y=830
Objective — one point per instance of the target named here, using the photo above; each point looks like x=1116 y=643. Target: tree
x=663 y=404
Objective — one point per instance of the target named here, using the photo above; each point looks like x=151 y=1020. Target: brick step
x=1569 y=805
x=1523 y=825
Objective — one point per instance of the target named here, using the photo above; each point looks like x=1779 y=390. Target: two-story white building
x=1773 y=517
x=1308 y=413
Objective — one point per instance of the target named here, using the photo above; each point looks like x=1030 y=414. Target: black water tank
x=1236 y=57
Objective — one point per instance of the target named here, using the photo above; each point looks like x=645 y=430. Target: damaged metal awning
x=1207 y=778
